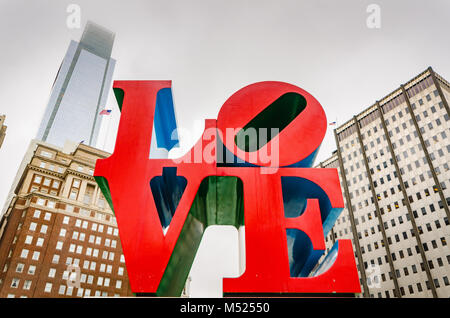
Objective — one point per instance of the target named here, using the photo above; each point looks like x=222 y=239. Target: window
x=72 y=248
x=48 y=287
x=89 y=193
x=73 y=194
x=118 y=284
x=31 y=270
x=37 y=179
x=44 y=228
x=66 y=220
x=51 y=273
x=101 y=202
x=24 y=253
x=27 y=284
x=40 y=241
x=100 y=281
x=33 y=226
x=15 y=283
x=55 y=184
x=62 y=289
x=47 y=182
x=28 y=239
x=59 y=245
x=19 y=267
x=62 y=232
x=35 y=256
x=83 y=278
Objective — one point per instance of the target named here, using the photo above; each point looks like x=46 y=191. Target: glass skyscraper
x=80 y=90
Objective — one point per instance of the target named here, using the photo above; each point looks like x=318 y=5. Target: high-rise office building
x=2 y=129
x=80 y=90
x=393 y=159
x=59 y=237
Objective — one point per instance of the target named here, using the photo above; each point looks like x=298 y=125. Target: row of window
x=94 y=227
x=411 y=288
x=88 y=279
x=395 y=204
x=397 y=130
x=397 y=239
x=414 y=269
x=374 y=115
x=92 y=238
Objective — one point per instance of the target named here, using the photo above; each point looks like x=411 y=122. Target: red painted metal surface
x=147 y=250
x=298 y=140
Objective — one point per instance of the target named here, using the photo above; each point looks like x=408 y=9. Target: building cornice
x=29 y=196
x=392 y=95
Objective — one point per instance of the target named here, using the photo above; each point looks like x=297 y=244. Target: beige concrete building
x=59 y=238
x=393 y=159
x=2 y=129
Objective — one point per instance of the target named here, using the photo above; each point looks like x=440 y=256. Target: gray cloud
x=210 y=49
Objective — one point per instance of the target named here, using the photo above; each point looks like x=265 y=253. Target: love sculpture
x=265 y=183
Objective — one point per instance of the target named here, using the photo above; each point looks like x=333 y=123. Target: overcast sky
x=210 y=49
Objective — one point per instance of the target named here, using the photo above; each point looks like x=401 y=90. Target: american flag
x=105 y=112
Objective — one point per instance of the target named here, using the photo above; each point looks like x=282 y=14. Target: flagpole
x=107 y=131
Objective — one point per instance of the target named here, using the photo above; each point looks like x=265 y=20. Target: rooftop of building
x=384 y=100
